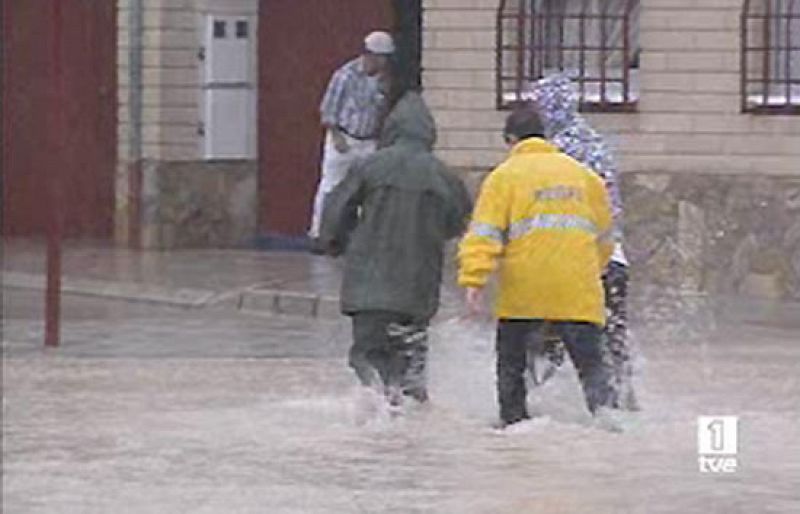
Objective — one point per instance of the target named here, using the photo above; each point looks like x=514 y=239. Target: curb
x=253 y=299
x=290 y=303
x=145 y=293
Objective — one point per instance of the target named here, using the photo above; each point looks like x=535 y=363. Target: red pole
x=54 y=229
x=135 y=205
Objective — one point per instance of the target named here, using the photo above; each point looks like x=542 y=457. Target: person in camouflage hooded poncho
x=556 y=100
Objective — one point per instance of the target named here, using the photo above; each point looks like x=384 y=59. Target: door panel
x=301 y=43
x=229 y=106
x=85 y=166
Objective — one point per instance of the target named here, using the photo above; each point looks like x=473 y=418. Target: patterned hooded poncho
x=556 y=99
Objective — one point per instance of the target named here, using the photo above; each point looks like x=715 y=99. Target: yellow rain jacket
x=546 y=220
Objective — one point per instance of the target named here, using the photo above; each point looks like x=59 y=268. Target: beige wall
x=171 y=85
x=171 y=73
x=688 y=119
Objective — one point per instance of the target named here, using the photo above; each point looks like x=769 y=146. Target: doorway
x=301 y=43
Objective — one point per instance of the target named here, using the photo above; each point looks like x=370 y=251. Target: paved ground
x=148 y=408
x=99 y=328
x=277 y=282
x=210 y=270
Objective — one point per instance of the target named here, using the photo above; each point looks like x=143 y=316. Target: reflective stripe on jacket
x=545 y=221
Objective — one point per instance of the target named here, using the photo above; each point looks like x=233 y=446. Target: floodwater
x=292 y=435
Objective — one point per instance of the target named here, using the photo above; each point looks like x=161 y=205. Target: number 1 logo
x=717 y=435
x=716 y=432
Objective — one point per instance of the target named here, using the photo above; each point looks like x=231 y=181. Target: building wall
x=171 y=115
x=688 y=119
x=712 y=195
x=300 y=46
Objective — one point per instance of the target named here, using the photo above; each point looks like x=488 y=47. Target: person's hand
x=340 y=143
x=474 y=299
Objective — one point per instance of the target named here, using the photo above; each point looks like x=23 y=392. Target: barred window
x=594 y=41
x=771 y=56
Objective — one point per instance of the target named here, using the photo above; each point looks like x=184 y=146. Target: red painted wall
x=30 y=160
x=301 y=43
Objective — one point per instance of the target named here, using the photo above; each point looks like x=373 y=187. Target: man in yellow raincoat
x=544 y=221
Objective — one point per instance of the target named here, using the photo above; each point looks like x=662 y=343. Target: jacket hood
x=410 y=121
x=556 y=99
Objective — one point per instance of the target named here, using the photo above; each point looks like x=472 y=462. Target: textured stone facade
x=715 y=234
x=194 y=205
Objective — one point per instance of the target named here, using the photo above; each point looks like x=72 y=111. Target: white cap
x=379 y=42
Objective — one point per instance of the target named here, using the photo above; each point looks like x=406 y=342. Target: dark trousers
x=390 y=350
x=582 y=341
x=615 y=284
x=616 y=350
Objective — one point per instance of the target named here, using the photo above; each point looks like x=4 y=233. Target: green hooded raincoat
x=392 y=216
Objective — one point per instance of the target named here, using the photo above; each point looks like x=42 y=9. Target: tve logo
x=717 y=443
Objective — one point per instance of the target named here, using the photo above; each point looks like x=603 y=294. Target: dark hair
x=523 y=122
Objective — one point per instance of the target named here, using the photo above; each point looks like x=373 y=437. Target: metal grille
x=771 y=56
x=594 y=41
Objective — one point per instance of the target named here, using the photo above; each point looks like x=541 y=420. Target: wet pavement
x=210 y=270
x=294 y=283
x=276 y=282
x=99 y=328
x=153 y=409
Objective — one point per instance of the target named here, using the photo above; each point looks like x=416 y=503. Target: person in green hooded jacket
x=391 y=218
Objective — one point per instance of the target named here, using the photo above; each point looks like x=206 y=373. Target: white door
x=229 y=89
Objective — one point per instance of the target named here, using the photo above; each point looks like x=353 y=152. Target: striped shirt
x=354 y=101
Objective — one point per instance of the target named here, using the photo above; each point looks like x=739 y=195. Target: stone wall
x=710 y=233
x=716 y=234
x=192 y=204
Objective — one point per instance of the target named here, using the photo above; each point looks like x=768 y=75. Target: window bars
x=593 y=41
x=770 y=53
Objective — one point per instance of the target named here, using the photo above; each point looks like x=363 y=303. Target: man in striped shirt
x=351 y=113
